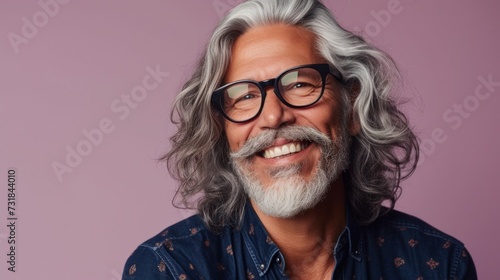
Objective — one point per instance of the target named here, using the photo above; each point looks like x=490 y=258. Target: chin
x=289 y=194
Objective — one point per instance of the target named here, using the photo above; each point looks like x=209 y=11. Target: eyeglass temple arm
x=335 y=72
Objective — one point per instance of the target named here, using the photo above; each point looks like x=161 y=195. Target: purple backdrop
x=87 y=88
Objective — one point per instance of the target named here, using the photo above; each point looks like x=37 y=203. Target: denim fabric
x=396 y=246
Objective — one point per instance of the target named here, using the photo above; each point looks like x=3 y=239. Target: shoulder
x=172 y=253
x=403 y=223
x=408 y=241
x=401 y=231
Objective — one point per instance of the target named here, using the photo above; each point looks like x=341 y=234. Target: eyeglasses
x=298 y=87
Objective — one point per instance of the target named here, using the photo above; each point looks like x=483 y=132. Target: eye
x=300 y=85
x=245 y=97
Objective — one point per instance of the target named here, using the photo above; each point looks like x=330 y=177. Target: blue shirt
x=395 y=246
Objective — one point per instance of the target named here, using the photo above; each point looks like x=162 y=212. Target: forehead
x=265 y=51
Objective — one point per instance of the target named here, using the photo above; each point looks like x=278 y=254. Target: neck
x=307 y=240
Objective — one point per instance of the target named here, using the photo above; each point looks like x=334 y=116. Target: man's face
x=263 y=53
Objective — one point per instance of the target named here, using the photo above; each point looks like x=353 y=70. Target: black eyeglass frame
x=323 y=69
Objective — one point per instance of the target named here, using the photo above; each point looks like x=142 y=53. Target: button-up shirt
x=395 y=246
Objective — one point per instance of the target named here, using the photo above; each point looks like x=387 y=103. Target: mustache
x=267 y=138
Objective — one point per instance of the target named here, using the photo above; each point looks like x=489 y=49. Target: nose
x=274 y=113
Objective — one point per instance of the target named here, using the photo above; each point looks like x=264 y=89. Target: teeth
x=277 y=152
x=283 y=150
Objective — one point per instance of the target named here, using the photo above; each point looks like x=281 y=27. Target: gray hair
x=384 y=152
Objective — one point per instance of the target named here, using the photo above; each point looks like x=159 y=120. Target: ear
x=353 y=124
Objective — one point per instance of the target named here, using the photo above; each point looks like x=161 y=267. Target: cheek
x=326 y=118
x=331 y=116
x=236 y=135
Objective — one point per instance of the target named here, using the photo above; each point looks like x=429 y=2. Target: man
x=289 y=138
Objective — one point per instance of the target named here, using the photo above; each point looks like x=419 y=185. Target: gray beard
x=289 y=193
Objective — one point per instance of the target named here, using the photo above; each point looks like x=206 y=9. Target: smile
x=289 y=148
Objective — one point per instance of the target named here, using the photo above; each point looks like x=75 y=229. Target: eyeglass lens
x=298 y=87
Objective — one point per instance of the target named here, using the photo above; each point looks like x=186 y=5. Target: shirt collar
x=350 y=238
x=260 y=246
x=264 y=251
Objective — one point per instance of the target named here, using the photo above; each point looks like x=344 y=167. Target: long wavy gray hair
x=384 y=152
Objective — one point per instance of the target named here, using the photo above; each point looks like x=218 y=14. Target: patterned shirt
x=395 y=246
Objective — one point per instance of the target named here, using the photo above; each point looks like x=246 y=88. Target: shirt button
x=278 y=260
x=262 y=266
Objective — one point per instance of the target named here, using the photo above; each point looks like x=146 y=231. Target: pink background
x=65 y=78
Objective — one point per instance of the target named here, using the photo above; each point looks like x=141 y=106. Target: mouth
x=283 y=150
